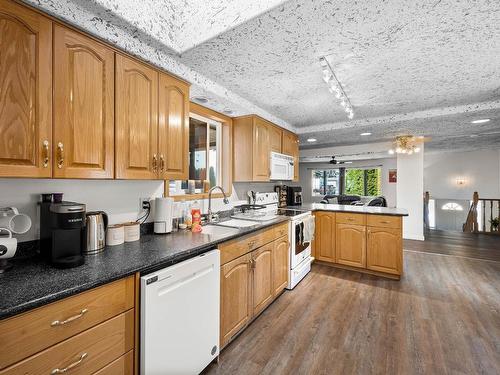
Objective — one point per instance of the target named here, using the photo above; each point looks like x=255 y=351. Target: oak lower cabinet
x=83 y=145
x=173 y=128
x=25 y=92
x=350 y=247
x=281 y=255
x=236 y=311
x=136 y=120
x=324 y=243
x=262 y=280
x=384 y=250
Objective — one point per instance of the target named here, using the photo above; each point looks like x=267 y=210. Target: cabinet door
x=351 y=245
x=25 y=92
x=262 y=264
x=275 y=135
x=325 y=236
x=384 y=250
x=281 y=254
x=83 y=144
x=136 y=120
x=291 y=147
x=235 y=297
x=260 y=151
x=173 y=128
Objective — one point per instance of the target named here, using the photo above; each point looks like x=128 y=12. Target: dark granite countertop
x=355 y=209
x=32 y=282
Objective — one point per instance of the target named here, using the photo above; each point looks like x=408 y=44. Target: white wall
x=481 y=170
x=118 y=198
x=410 y=190
x=388 y=189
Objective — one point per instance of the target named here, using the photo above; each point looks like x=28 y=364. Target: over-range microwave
x=281 y=166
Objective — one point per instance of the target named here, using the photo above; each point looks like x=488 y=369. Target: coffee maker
x=294 y=195
x=62 y=232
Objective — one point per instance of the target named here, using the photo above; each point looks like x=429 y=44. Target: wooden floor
x=442 y=317
x=470 y=245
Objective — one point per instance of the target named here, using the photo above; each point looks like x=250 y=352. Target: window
x=349 y=181
x=204 y=157
x=364 y=182
x=452 y=206
x=325 y=182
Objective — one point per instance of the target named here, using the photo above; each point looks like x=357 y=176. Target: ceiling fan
x=334 y=161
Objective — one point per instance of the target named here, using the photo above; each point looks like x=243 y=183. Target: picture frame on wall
x=393 y=175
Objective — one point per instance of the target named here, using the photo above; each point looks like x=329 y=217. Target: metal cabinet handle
x=45 y=153
x=60 y=151
x=69 y=367
x=155 y=163
x=162 y=162
x=385 y=222
x=69 y=320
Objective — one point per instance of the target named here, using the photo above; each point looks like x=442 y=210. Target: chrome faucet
x=212 y=218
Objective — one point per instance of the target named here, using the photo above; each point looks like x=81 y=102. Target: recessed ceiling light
x=367 y=133
x=311 y=140
x=200 y=99
x=227 y=111
x=480 y=121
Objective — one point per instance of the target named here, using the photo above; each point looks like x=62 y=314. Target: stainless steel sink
x=237 y=223
x=216 y=230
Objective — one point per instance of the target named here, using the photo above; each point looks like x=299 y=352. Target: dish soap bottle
x=195 y=217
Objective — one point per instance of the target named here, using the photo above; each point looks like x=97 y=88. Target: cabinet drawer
x=350 y=218
x=281 y=230
x=121 y=366
x=84 y=353
x=384 y=221
x=33 y=331
x=236 y=248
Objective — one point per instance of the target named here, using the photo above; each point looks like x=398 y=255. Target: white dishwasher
x=180 y=316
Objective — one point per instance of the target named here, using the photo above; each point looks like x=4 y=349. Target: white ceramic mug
x=14 y=221
x=132 y=231
x=8 y=245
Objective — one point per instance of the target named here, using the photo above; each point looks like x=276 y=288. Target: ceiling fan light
x=417 y=149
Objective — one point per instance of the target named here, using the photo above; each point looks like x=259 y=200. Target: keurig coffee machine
x=62 y=231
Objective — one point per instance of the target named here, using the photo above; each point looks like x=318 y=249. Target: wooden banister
x=490 y=209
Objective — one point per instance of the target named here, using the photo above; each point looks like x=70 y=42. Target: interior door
x=173 y=128
x=262 y=277
x=351 y=245
x=136 y=120
x=261 y=153
x=25 y=92
x=83 y=106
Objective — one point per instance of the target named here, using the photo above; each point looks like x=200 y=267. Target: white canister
x=115 y=235
x=132 y=231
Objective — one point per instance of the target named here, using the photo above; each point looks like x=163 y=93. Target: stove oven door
x=300 y=250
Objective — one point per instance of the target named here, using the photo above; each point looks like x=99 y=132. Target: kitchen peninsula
x=359 y=238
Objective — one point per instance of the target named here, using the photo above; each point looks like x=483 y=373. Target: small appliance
x=282 y=195
x=97 y=223
x=164 y=208
x=281 y=166
x=294 y=196
x=63 y=238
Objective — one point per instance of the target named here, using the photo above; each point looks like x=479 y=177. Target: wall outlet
x=144 y=203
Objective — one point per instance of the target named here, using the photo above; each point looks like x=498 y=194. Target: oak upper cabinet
x=173 y=128
x=384 y=251
x=275 y=138
x=262 y=264
x=280 y=264
x=290 y=146
x=251 y=149
x=83 y=138
x=261 y=151
x=324 y=247
x=351 y=245
x=25 y=92
x=136 y=141
x=236 y=284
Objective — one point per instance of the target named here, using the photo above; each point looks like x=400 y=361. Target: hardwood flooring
x=470 y=245
x=442 y=317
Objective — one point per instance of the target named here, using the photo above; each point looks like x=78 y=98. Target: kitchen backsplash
x=118 y=198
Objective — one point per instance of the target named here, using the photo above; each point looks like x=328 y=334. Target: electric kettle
x=97 y=223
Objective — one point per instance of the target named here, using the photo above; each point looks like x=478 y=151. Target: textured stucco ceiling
x=419 y=67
